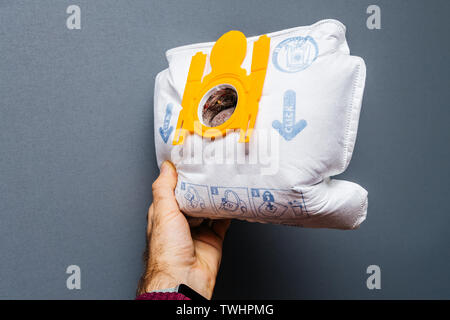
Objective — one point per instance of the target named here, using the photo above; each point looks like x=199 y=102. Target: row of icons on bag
x=239 y=201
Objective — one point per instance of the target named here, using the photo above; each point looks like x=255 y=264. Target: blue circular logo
x=295 y=54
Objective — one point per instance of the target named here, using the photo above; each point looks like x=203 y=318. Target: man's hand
x=177 y=253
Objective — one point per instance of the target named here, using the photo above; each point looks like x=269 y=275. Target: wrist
x=159 y=282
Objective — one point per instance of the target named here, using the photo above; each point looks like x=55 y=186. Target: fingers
x=220 y=227
x=212 y=235
x=194 y=222
x=164 y=201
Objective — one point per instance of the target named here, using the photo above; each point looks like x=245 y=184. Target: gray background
x=77 y=153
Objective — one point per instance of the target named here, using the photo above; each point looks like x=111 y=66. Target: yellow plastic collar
x=226 y=58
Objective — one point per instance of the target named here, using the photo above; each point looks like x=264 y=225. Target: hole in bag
x=217 y=105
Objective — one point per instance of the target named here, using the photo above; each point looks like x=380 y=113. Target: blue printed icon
x=295 y=54
x=269 y=207
x=214 y=191
x=298 y=207
x=193 y=201
x=288 y=129
x=232 y=203
x=166 y=130
x=255 y=193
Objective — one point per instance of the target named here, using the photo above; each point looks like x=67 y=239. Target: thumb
x=163 y=191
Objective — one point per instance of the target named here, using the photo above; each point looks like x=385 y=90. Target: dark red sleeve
x=162 y=296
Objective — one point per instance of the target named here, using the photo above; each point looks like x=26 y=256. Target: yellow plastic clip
x=226 y=58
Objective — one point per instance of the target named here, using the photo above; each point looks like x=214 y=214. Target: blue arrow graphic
x=165 y=130
x=289 y=129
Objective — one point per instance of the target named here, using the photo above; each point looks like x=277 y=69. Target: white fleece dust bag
x=304 y=130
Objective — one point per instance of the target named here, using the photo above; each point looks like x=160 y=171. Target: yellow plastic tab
x=226 y=58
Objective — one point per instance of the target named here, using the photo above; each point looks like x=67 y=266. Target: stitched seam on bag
x=350 y=119
x=364 y=201
x=207 y=45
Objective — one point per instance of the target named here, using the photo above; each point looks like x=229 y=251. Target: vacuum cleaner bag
x=307 y=91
